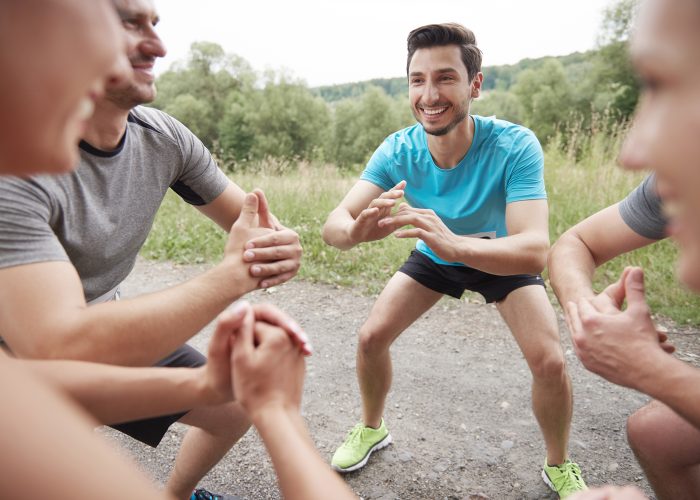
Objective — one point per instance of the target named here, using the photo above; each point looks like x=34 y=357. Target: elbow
x=538 y=257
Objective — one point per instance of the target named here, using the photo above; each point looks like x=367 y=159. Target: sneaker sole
x=546 y=480
x=381 y=444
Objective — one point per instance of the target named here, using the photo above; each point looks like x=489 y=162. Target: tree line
x=244 y=116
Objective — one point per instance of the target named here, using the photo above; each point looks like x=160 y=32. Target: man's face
x=665 y=135
x=439 y=89
x=50 y=82
x=139 y=19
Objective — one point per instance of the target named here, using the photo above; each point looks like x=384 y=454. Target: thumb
x=634 y=287
x=249 y=210
x=264 y=210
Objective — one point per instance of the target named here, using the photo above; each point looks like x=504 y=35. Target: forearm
x=301 y=472
x=674 y=383
x=45 y=430
x=522 y=253
x=142 y=330
x=336 y=230
x=114 y=394
x=571 y=269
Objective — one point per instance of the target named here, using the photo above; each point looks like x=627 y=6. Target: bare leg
x=402 y=301
x=668 y=449
x=215 y=430
x=531 y=319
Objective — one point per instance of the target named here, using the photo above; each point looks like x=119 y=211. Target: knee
x=229 y=419
x=372 y=341
x=549 y=365
x=643 y=429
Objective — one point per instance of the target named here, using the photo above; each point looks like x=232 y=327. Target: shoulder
x=155 y=121
x=505 y=134
x=403 y=142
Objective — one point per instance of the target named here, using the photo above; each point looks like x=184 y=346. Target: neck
x=106 y=127
x=449 y=149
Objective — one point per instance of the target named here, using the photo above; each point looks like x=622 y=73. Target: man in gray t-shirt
x=72 y=239
x=634 y=222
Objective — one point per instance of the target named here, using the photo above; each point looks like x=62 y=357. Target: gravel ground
x=459 y=410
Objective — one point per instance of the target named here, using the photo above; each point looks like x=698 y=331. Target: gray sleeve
x=200 y=180
x=641 y=210
x=26 y=236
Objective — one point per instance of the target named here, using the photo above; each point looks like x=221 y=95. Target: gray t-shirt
x=99 y=216
x=642 y=211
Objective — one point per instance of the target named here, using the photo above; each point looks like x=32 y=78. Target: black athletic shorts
x=453 y=280
x=151 y=430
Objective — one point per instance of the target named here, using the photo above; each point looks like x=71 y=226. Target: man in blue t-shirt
x=477 y=204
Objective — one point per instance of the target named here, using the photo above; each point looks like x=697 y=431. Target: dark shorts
x=151 y=430
x=453 y=280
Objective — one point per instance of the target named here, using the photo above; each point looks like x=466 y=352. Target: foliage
x=360 y=125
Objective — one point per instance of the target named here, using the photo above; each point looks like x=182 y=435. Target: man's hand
x=428 y=227
x=245 y=228
x=365 y=226
x=617 y=345
x=268 y=368
x=610 y=493
x=217 y=371
x=274 y=257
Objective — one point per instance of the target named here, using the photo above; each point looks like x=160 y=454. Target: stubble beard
x=462 y=113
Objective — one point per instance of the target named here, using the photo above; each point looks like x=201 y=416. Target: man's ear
x=476 y=83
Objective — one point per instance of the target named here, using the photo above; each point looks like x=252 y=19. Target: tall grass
x=581 y=178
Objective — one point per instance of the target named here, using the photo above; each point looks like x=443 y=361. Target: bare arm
x=45 y=430
x=268 y=376
x=590 y=243
x=523 y=251
x=136 y=393
x=301 y=471
x=43 y=313
x=355 y=220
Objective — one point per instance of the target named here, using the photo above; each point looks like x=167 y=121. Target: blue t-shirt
x=504 y=164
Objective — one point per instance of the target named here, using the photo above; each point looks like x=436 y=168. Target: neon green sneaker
x=358 y=446
x=565 y=479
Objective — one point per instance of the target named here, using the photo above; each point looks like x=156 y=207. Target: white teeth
x=85 y=108
x=435 y=111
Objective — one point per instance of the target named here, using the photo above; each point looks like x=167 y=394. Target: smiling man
x=478 y=208
x=71 y=239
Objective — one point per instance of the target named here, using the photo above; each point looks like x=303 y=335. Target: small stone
x=613 y=467
x=505 y=405
x=507 y=444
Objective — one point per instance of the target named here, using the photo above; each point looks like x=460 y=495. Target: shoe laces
x=355 y=434
x=202 y=494
x=572 y=476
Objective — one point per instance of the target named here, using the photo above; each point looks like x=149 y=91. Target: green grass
x=302 y=195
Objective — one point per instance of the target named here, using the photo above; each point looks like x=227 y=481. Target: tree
x=546 y=98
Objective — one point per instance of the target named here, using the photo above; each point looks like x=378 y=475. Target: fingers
x=277 y=279
x=272 y=269
x=227 y=323
x=634 y=286
x=412 y=233
x=243 y=343
x=266 y=218
x=249 y=210
x=270 y=314
x=402 y=219
x=272 y=239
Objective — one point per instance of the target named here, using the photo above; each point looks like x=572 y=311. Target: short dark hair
x=439 y=35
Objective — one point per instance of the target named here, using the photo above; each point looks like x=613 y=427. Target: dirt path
x=459 y=410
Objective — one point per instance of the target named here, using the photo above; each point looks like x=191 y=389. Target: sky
x=327 y=42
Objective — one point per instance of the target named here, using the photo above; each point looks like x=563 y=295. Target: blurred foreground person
x=623 y=345
x=49 y=448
